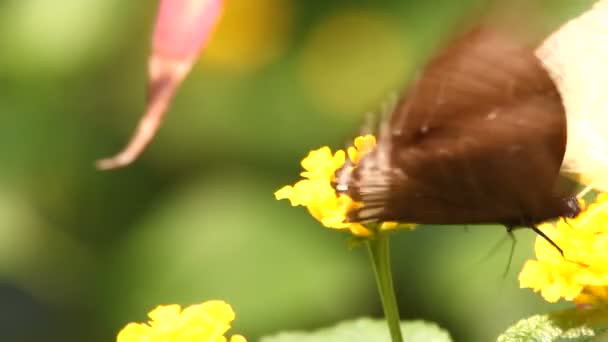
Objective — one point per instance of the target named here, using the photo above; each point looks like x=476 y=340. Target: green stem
x=381 y=262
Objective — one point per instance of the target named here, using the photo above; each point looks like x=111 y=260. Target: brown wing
x=479 y=138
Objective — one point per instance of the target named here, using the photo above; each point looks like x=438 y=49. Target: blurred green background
x=83 y=252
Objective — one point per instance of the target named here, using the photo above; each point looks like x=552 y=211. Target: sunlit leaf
x=365 y=330
x=569 y=325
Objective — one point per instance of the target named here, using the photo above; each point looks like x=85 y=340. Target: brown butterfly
x=478 y=138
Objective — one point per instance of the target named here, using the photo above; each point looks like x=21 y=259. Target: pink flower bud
x=183 y=27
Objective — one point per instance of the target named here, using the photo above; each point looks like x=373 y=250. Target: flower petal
x=318 y=195
x=183 y=27
x=582 y=273
x=206 y=322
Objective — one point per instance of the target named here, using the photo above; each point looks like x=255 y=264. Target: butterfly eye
x=573 y=207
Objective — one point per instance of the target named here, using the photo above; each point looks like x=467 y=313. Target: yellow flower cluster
x=206 y=322
x=581 y=274
x=316 y=192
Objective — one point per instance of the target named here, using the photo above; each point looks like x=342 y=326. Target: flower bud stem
x=378 y=248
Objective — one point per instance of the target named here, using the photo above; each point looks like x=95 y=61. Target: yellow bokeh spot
x=250 y=35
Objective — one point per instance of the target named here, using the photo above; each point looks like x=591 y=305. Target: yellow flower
x=206 y=322
x=581 y=275
x=363 y=145
x=317 y=194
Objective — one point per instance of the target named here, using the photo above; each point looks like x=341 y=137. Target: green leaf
x=226 y=237
x=365 y=330
x=568 y=325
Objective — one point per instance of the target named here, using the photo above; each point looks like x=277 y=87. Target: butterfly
x=478 y=138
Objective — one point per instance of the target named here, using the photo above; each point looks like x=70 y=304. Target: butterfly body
x=478 y=138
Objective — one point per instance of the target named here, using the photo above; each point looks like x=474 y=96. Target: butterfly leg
x=511 y=252
x=541 y=233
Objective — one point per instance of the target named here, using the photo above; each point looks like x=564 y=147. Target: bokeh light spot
x=250 y=35
x=50 y=37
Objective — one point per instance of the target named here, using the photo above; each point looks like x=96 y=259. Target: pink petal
x=183 y=27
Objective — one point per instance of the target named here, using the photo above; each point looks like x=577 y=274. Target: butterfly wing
x=479 y=138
